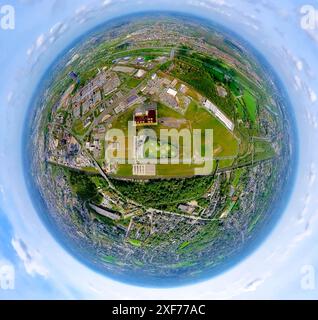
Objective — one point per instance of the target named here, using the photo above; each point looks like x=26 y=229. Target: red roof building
x=146 y=115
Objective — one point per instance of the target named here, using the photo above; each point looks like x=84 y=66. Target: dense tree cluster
x=203 y=73
x=157 y=193
x=84 y=187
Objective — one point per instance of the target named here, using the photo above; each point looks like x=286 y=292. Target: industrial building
x=146 y=115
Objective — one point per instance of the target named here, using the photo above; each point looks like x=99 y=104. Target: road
x=156 y=211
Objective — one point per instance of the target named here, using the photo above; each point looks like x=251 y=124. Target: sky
x=284 y=266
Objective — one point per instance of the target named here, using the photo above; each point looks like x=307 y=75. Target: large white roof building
x=219 y=114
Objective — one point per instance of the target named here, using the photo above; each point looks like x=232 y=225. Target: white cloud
x=312 y=95
x=218 y=2
x=80 y=10
x=40 y=41
x=1 y=190
x=312 y=119
x=298 y=82
x=313 y=35
x=296 y=61
x=55 y=28
x=83 y=14
x=106 y=3
x=251 y=25
x=301 y=236
x=299 y=65
x=30 y=51
x=210 y=4
x=253 y=285
x=30 y=258
x=312 y=175
x=9 y=96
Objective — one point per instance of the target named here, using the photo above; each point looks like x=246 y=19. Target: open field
x=251 y=105
x=163 y=171
x=224 y=145
x=154 y=150
x=224 y=140
x=263 y=150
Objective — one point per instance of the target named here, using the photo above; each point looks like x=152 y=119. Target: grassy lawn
x=225 y=163
x=121 y=122
x=251 y=105
x=155 y=150
x=196 y=117
x=235 y=88
x=202 y=119
x=253 y=223
x=263 y=150
x=163 y=170
x=110 y=259
x=90 y=170
x=240 y=109
x=183 y=245
x=78 y=128
x=124 y=170
x=133 y=83
x=237 y=176
x=176 y=170
x=166 y=112
x=135 y=243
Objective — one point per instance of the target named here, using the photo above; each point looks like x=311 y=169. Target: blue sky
x=45 y=270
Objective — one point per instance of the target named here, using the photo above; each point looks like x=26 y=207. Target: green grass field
x=176 y=170
x=223 y=139
x=124 y=170
x=154 y=150
x=263 y=150
x=133 y=83
x=163 y=170
x=121 y=122
x=166 y=112
x=251 y=105
x=134 y=242
x=78 y=128
x=196 y=117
